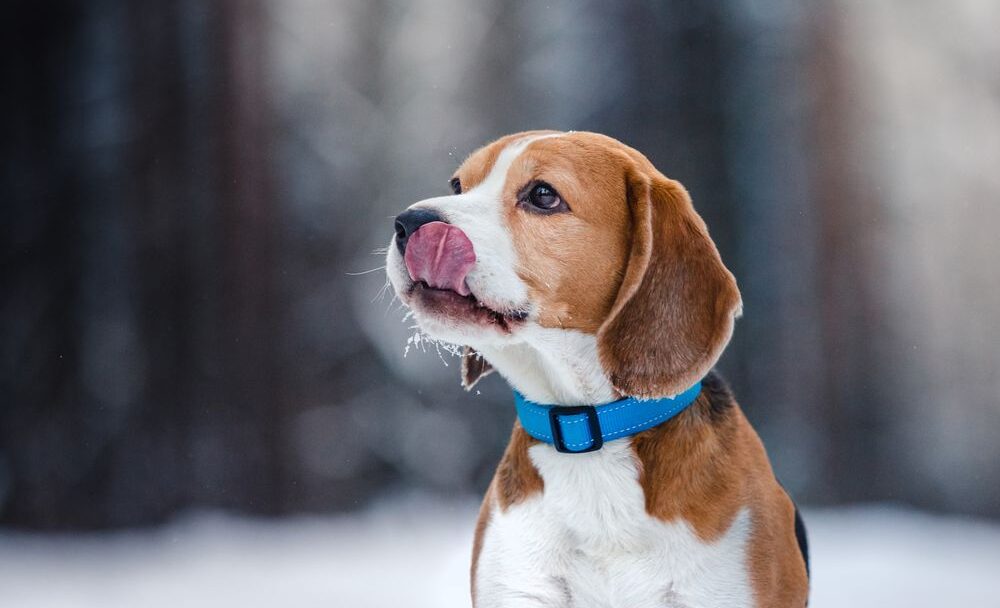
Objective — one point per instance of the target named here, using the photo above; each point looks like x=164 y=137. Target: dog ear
x=674 y=311
x=474 y=367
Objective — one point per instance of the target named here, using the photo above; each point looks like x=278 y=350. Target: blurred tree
x=140 y=374
x=187 y=185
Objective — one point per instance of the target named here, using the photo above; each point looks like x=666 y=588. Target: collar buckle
x=593 y=425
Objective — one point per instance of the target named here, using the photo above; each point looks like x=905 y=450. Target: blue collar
x=584 y=428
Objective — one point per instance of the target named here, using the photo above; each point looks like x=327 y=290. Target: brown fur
x=675 y=309
x=474 y=367
x=572 y=262
x=477 y=542
x=707 y=464
x=633 y=264
x=478 y=165
x=516 y=477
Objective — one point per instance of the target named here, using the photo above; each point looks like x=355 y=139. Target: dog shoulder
x=706 y=468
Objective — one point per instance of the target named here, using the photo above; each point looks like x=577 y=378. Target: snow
x=415 y=552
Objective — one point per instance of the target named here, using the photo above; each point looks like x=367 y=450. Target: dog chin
x=450 y=317
x=451 y=332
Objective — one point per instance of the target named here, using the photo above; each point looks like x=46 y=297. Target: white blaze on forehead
x=493 y=184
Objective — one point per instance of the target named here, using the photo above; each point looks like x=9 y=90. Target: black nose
x=408 y=222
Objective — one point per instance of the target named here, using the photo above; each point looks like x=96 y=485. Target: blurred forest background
x=188 y=185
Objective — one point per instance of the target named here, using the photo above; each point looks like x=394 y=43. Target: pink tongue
x=440 y=255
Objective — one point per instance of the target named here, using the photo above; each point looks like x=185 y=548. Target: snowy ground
x=415 y=552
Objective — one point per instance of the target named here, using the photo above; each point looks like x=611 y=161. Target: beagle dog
x=567 y=263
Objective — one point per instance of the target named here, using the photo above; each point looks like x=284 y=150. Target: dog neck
x=553 y=366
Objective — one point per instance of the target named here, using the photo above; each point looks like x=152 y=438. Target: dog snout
x=410 y=221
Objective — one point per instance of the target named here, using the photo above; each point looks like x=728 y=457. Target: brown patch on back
x=707 y=464
x=777 y=568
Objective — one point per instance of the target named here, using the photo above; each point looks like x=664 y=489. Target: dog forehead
x=580 y=152
x=477 y=167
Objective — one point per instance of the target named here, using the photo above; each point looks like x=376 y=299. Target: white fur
x=587 y=541
x=552 y=365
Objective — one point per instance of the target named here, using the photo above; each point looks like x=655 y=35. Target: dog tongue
x=440 y=255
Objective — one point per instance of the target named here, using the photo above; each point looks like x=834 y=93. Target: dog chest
x=586 y=540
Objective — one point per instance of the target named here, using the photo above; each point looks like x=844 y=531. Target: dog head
x=576 y=232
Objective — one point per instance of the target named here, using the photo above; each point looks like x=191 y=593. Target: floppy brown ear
x=674 y=311
x=474 y=367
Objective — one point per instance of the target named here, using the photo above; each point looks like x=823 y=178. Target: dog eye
x=543 y=197
x=456 y=185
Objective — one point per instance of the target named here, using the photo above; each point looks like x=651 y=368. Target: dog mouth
x=464 y=308
x=438 y=257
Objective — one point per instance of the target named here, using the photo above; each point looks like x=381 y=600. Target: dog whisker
x=381 y=292
x=356 y=274
x=388 y=307
x=421 y=340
